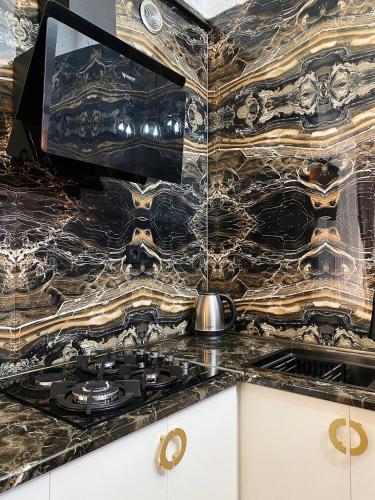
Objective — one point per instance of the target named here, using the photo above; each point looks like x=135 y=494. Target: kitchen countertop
x=33 y=443
x=236 y=352
x=232 y=352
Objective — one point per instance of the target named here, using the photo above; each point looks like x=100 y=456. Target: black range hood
x=91 y=101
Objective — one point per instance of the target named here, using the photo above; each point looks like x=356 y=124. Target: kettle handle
x=233 y=309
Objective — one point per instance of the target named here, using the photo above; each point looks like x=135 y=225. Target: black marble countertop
x=236 y=352
x=33 y=442
x=232 y=352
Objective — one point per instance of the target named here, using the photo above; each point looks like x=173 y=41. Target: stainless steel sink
x=356 y=370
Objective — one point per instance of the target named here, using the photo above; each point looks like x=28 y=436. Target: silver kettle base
x=210 y=335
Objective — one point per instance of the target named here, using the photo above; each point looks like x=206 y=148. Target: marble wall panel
x=291 y=175
x=17 y=32
x=67 y=286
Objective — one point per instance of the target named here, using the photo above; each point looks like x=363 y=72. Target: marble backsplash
x=280 y=214
x=291 y=167
x=65 y=283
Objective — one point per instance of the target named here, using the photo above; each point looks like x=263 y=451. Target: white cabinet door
x=35 y=489
x=209 y=468
x=362 y=465
x=125 y=469
x=285 y=450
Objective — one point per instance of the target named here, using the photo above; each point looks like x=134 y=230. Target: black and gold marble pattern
x=232 y=352
x=291 y=177
x=33 y=443
x=65 y=282
x=237 y=352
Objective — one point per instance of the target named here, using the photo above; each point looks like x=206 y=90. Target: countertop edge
x=21 y=426
x=133 y=423
x=328 y=391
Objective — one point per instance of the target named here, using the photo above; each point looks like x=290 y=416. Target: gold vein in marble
x=104 y=309
x=351 y=33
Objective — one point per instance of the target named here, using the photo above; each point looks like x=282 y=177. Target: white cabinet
x=209 y=468
x=124 y=469
x=36 y=489
x=362 y=462
x=285 y=450
x=129 y=467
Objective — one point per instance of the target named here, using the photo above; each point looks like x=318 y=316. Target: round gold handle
x=176 y=457
x=363 y=444
x=332 y=431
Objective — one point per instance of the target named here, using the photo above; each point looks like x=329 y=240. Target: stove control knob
x=169 y=358
x=185 y=365
x=155 y=354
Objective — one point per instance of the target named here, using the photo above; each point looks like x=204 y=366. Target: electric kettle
x=209 y=315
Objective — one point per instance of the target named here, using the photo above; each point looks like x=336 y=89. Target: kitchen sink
x=355 y=370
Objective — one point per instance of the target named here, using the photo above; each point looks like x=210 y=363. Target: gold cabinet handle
x=363 y=444
x=176 y=457
x=332 y=431
x=341 y=422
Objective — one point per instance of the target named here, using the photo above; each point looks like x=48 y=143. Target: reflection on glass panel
x=103 y=108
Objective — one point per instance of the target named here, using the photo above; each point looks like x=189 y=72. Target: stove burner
x=45 y=379
x=156 y=378
x=41 y=382
x=101 y=391
x=152 y=377
x=94 y=389
x=95 y=396
x=107 y=364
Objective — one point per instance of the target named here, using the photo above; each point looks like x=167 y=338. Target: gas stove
x=95 y=389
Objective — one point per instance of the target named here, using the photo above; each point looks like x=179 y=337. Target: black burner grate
x=94 y=389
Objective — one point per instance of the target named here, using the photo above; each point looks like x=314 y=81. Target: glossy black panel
x=104 y=103
x=103 y=108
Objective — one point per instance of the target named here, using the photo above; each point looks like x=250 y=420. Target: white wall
x=211 y=8
x=69 y=40
x=100 y=12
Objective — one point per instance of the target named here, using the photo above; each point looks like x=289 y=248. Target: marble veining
x=237 y=352
x=66 y=282
x=282 y=219
x=291 y=178
x=33 y=443
x=231 y=352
